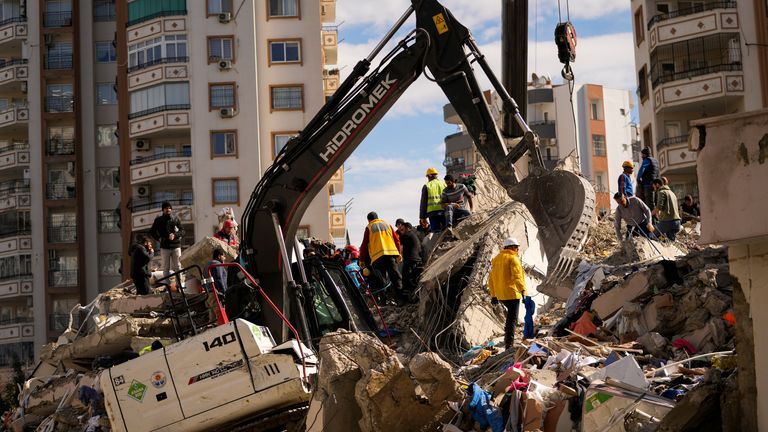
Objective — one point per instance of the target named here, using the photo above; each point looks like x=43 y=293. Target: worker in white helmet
x=506 y=284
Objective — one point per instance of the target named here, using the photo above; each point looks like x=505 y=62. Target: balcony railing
x=17 y=146
x=6 y=232
x=158 y=61
x=58 y=62
x=57 y=19
x=12 y=20
x=661 y=77
x=60 y=191
x=12 y=62
x=15 y=274
x=157 y=205
x=62 y=278
x=17 y=320
x=13 y=187
x=62 y=234
x=690 y=10
x=60 y=146
x=160 y=156
x=668 y=142
x=59 y=104
x=159 y=109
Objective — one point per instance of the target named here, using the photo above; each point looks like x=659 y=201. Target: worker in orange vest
x=380 y=251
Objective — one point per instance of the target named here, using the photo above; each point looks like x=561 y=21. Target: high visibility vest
x=434 y=195
x=381 y=240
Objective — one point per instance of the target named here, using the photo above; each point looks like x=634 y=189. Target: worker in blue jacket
x=648 y=172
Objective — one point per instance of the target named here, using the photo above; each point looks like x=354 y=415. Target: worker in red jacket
x=227 y=233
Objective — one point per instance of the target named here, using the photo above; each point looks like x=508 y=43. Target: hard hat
x=351 y=248
x=628 y=164
x=431 y=171
x=354 y=254
x=511 y=241
x=229 y=223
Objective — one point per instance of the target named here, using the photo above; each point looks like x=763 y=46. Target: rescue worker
x=625 y=179
x=456 y=201
x=666 y=210
x=506 y=284
x=431 y=206
x=648 y=172
x=635 y=214
x=227 y=233
x=141 y=255
x=352 y=266
x=381 y=252
x=412 y=258
x=219 y=274
x=167 y=229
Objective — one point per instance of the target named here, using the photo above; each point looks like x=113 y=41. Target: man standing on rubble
x=431 y=207
x=625 y=179
x=168 y=231
x=666 y=210
x=648 y=172
x=380 y=251
x=635 y=214
x=141 y=255
x=506 y=284
x=412 y=258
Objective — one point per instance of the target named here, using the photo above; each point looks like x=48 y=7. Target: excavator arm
x=302 y=169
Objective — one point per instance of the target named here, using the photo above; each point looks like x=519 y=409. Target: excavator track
x=289 y=420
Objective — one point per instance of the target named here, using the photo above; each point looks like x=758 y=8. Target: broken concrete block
x=610 y=302
x=131 y=304
x=435 y=377
x=200 y=253
x=654 y=343
x=717 y=302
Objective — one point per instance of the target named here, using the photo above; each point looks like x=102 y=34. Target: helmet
x=351 y=248
x=628 y=164
x=511 y=241
x=354 y=254
x=229 y=223
x=432 y=171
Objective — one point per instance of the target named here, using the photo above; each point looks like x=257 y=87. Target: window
x=105 y=52
x=109 y=221
x=105 y=135
x=156 y=50
x=594 y=109
x=639 y=26
x=160 y=97
x=109 y=178
x=285 y=51
x=642 y=84
x=662 y=8
x=647 y=136
x=279 y=140
x=220 y=48
x=598 y=145
x=225 y=191
x=110 y=264
x=216 y=7
x=282 y=8
x=287 y=98
x=106 y=94
x=59 y=55
x=222 y=95
x=223 y=143
x=600 y=182
x=175 y=46
x=104 y=10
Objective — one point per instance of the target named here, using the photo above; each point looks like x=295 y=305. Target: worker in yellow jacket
x=380 y=251
x=506 y=284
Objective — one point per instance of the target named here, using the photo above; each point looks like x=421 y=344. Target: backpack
x=469 y=182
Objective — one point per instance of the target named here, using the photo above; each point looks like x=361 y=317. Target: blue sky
x=386 y=172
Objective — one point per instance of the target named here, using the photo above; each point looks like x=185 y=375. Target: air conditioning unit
x=227 y=112
x=225 y=17
x=225 y=64
x=141 y=145
x=143 y=192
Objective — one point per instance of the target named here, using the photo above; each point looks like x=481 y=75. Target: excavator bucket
x=563 y=204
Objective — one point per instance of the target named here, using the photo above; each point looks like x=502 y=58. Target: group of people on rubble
x=653 y=208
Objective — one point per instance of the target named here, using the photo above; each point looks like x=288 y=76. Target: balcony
x=15 y=288
x=14 y=119
x=671 y=141
x=338 y=221
x=690 y=11
x=330 y=44
x=327 y=11
x=60 y=191
x=60 y=146
x=16 y=329
x=544 y=128
x=159 y=121
x=12 y=32
x=15 y=195
x=62 y=278
x=457 y=142
x=140 y=11
x=541 y=95
x=331 y=81
x=693 y=23
x=144 y=213
x=161 y=167
x=59 y=104
x=58 y=62
x=12 y=74
x=57 y=19
x=336 y=183
x=15 y=245
x=62 y=234
x=674 y=156
x=15 y=155
x=158 y=70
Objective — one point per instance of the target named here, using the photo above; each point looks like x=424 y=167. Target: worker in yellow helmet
x=380 y=251
x=431 y=206
x=506 y=284
x=625 y=179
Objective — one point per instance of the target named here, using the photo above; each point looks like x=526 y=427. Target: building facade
x=600 y=119
x=695 y=59
x=108 y=108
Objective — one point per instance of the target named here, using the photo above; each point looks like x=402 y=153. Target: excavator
x=235 y=376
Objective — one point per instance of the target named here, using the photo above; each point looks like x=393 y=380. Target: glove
x=494 y=301
x=399 y=259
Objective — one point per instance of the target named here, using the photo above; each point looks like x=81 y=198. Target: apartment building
x=600 y=119
x=695 y=59
x=108 y=108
